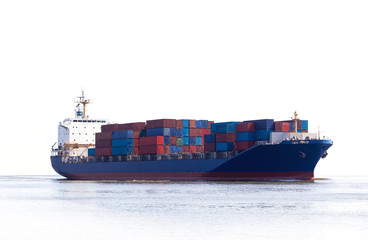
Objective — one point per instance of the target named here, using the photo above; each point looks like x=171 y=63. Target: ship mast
x=295 y=121
x=83 y=101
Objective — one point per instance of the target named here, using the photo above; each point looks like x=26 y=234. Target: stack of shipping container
x=118 y=139
x=171 y=136
x=222 y=138
x=245 y=136
x=138 y=130
x=122 y=142
x=103 y=142
x=263 y=129
x=160 y=137
x=289 y=126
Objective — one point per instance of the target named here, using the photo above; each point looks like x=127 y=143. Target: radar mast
x=295 y=121
x=84 y=101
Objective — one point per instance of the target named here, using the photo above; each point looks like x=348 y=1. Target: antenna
x=83 y=101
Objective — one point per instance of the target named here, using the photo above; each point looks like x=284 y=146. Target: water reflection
x=178 y=210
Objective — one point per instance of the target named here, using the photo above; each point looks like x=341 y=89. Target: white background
x=216 y=60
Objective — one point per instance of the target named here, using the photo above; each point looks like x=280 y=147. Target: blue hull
x=288 y=160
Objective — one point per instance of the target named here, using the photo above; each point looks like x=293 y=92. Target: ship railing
x=325 y=138
x=149 y=157
x=74 y=159
x=294 y=138
x=56 y=153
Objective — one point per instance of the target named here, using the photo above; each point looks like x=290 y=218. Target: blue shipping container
x=173 y=149
x=122 y=142
x=192 y=140
x=245 y=136
x=261 y=135
x=291 y=127
x=158 y=132
x=263 y=124
x=142 y=133
x=186 y=132
x=198 y=124
x=226 y=127
x=198 y=141
x=173 y=132
x=122 y=134
x=122 y=151
x=179 y=132
x=185 y=123
x=179 y=149
x=167 y=140
x=91 y=151
x=210 y=138
x=304 y=124
x=224 y=146
x=204 y=123
x=213 y=127
x=185 y=140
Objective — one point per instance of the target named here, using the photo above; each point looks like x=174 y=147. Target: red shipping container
x=136 y=150
x=136 y=134
x=304 y=131
x=103 y=152
x=199 y=148
x=210 y=147
x=161 y=123
x=210 y=123
x=103 y=135
x=245 y=127
x=179 y=124
x=282 y=126
x=192 y=132
x=192 y=124
x=166 y=149
x=132 y=126
x=151 y=149
x=243 y=145
x=186 y=149
x=103 y=143
x=153 y=140
x=109 y=127
x=136 y=142
x=285 y=127
x=225 y=137
x=199 y=132
x=193 y=148
x=277 y=126
x=195 y=132
x=205 y=131
x=172 y=140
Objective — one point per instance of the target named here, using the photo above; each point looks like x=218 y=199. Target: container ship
x=186 y=149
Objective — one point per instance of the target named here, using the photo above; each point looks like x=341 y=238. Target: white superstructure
x=76 y=135
x=277 y=137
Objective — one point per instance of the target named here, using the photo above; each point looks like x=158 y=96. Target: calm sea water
x=48 y=207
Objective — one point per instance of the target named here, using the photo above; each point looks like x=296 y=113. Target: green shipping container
x=179 y=141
